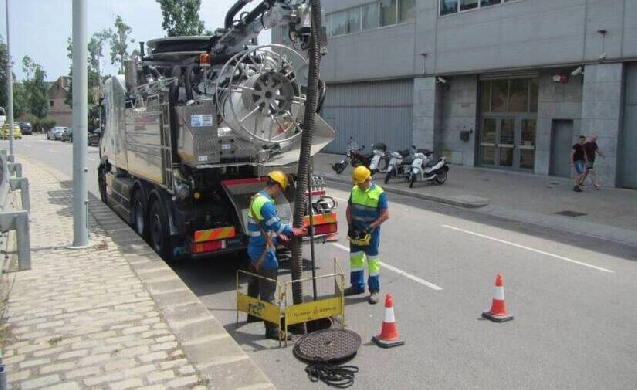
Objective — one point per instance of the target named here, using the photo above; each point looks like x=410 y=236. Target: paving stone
x=44 y=381
x=127 y=384
x=183 y=382
x=83 y=372
x=57 y=367
x=160 y=376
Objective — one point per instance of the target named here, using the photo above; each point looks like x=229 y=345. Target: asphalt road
x=573 y=300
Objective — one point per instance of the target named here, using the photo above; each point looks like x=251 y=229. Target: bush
x=43 y=124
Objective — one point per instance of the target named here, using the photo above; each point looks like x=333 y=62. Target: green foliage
x=35 y=88
x=42 y=124
x=3 y=73
x=119 y=41
x=181 y=17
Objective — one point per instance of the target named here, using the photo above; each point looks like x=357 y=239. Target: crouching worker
x=265 y=231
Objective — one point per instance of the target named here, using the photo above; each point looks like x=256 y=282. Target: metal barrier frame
x=17 y=220
x=298 y=313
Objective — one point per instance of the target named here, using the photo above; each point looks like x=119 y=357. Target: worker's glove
x=299 y=232
x=368 y=230
x=283 y=239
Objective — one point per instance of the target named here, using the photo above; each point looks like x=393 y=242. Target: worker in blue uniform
x=265 y=231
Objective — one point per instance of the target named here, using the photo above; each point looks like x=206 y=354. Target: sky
x=40 y=28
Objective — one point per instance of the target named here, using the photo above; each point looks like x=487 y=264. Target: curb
x=206 y=343
x=466 y=201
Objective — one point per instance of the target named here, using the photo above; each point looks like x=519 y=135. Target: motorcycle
x=355 y=156
x=399 y=164
x=422 y=168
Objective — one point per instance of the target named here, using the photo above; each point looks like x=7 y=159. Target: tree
x=119 y=41
x=3 y=72
x=35 y=88
x=181 y=17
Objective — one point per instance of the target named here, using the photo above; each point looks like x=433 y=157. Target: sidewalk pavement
x=111 y=316
x=608 y=213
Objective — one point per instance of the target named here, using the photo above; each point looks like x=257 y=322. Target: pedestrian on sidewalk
x=265 y=231
x=591 y=150
x=579 y=162
x=366 y=210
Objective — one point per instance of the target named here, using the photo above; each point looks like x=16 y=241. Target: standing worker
x=265 y=230
x=366 y=210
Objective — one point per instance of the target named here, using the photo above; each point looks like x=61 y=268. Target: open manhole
x=569 y=213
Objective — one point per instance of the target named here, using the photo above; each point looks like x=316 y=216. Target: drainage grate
x=569 y=213
x=328 y=345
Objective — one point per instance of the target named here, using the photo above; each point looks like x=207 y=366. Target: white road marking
x=52 y=151
x=399 y=271
x=530 y=249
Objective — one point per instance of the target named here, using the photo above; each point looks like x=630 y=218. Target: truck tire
x=158 y=230
x=139 y=217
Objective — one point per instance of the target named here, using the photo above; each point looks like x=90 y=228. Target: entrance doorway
x=508 y=123
x=508 y=142
x=561 y=144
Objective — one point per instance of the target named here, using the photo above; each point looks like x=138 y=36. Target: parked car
x=94 y=137
x=5 y=134
x=67 y=135
x=26 y=128
x=55 y=133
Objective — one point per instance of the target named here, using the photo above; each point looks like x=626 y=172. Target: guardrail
x=17 y=220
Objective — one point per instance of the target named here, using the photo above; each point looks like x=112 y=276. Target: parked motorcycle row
x=411 y=165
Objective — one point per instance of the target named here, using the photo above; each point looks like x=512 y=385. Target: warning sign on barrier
x=258 y=308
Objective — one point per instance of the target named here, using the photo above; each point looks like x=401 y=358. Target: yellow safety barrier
x=328 y=307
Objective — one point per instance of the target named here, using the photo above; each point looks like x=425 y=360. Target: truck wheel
x=139 y=219
x=158 y=230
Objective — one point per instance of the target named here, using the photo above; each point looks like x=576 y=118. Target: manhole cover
x=569 y=213
x=328 y=345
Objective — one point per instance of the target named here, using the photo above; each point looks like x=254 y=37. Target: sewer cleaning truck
x=194 y=126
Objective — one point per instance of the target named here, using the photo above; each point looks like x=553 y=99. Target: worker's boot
x=373 y=297
x=252 y=318
x=351 y=290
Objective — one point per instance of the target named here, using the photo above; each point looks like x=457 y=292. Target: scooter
x=422 y=169
x=356 y=157
x=399 y=165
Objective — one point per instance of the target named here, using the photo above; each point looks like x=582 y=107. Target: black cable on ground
x=332 y=375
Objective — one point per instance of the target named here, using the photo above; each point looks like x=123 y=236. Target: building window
x=387 y=12
x=448 y=7
x=454 y=6
x=339 y=23
x=519 y=95
x=354 y=20
x=499 y=95
x=407 y=10
x=468 y=4
x=486 y=3
x=370 y=16
x=513 y=95
x=51 y=103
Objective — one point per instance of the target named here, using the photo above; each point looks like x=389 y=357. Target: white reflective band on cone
x=389 y=314
x=499 y=293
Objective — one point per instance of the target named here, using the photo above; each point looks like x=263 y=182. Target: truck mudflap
x=240 y=192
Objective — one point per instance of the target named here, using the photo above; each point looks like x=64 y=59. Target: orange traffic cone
x=388 y=336
x=498 y=312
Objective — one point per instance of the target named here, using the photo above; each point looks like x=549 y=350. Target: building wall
x=518 y=34
x=556 y=101
x=602 y=113
x=459 y=113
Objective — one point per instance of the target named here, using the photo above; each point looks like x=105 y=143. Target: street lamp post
x=9 y=84
x=80 y=125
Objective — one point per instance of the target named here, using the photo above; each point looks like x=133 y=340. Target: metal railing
x=15 y=220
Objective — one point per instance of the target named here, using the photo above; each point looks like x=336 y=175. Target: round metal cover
x=328 y=345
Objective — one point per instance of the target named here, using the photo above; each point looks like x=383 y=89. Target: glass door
x=526 y=145
x=497 y=143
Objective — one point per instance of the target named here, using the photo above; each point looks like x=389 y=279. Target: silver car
x=55 y=133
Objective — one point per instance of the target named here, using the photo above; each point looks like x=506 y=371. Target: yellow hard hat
x=280 y=178
x=361 y=174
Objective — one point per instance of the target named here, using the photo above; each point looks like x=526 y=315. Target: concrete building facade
x=507 y=84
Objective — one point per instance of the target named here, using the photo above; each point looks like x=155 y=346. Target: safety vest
x=253 y=229
x=365 y=205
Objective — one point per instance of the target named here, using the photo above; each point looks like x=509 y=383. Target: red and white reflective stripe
x=499 y=294
x=389 y=314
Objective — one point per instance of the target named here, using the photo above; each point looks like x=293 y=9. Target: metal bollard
x=15 y=168
x=3 y=375
x=19 y=221
x=22 y=184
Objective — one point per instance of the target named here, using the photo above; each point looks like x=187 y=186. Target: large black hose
x=306 y=146
x=236 y=7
